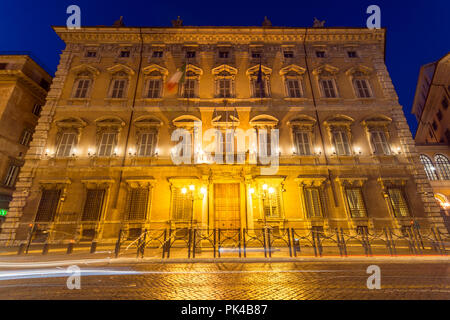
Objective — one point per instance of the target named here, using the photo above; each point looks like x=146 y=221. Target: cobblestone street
x=288 y=280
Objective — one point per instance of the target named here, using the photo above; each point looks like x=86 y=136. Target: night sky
x=418 y=32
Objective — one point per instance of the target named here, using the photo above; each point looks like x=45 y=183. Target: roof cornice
x=219 y=34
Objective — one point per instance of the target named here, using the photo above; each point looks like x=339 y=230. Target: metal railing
x=267 y=242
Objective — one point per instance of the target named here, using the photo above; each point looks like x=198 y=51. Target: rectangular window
x=379 y=142
x=26 y=137
x=362 y=88
x=118 y=90
x=340 y=142
x=190 y=54
x=320 y=54
x=439 y=115
x=3 y=66
x=125 y=54
x=303 y=143
x=181 y=205
x=82 y=88
x=37 y=108
x=293 y=86
x=147 y=144
x=288 y=54
x=93 y=205
x=157 y=54
x=223 y=54
x=352 y=54
x=259 y=89
x=328 y=88
x=224 y=88
x=107 y=144
x=398 y=202
x=272 y=203
x=66 y=144
x=154 y=89
x=256 y=55
x=189 y=88
x=137 y=204
x=312 y=202
x=91 y=54
x=11 y=175
x=48 y=205
x=355 y=202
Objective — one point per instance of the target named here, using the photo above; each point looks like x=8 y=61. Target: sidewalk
x=33 y=261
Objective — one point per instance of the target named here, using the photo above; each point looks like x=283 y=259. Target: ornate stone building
x=100 y=160
x=431 y=108
x=23 y=88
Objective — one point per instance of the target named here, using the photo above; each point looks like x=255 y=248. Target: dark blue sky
x=418 y=32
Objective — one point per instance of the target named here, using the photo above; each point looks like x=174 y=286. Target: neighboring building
x=100 y=158
x=23 y=88
x=431 y=108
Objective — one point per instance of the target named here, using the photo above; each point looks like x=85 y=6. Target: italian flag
x=178 y=77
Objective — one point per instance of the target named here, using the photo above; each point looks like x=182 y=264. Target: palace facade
x=100 y=160
x=23 y=87
x=431 y=108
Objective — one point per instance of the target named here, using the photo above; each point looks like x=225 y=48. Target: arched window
x=429 y=168
x=443 y=166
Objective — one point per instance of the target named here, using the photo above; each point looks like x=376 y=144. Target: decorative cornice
x=200 y=35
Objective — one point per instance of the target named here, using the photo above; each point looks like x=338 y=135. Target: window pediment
x=292 y=71
x=325 y=70
x=85 y=70
x=264 y=120
x=359 y=71
x=253 y=71
x=186 y=121
x=302 y=121
x=155 y=70
x=376 y=121
x=339 y=120
x=116 y=69
x=72 y=122
x=147 y=122
x=109 y=122
x=224 y=71
x=193 y=72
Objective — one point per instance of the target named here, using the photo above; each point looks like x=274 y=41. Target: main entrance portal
x=227 y=205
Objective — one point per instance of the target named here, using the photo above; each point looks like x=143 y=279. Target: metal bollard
x=21 y=249
x=45 y=248
x=93 y=246
x=69 y=248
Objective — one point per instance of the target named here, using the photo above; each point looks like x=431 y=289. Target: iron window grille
x=181 y=205
x=93 y=204
x=398 y=202
x=356 y=203
x=138 y=204
x=313 y=202
x=48 y=205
